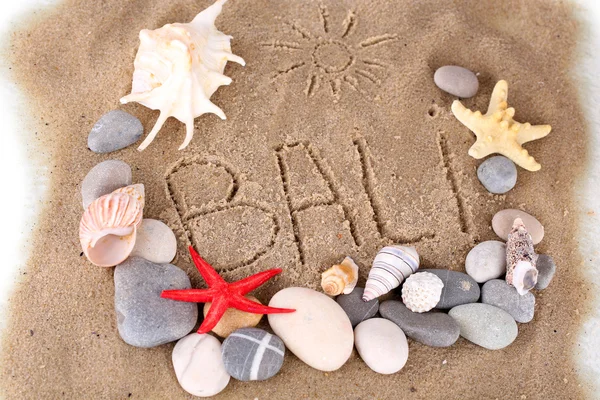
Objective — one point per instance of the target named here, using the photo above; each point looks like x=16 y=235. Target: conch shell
x=521 y=260
x=108 y=227
x=340 y=278
x=391 y=266
x=178 y=68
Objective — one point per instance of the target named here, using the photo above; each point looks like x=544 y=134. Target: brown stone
x=234 y=319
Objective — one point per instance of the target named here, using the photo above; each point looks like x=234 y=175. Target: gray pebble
x=435 y=329
x=104 y=178
x=546 y=269
x=357 y=309
x=486 y=261
x=115 y=130
x=144 y=319
x=251 y=354
x=459 y=288
x=500 y=294
x=497 y=174
x=485 y=325
x=457 y=81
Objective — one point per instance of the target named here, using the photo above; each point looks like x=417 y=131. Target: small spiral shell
x=340 y=278
x=391 y=266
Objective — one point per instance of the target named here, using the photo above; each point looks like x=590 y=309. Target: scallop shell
x=108 y=228
x=178 y=68
x=422 y=291
x=391 y=266
x=521 y=260
x=340 y=278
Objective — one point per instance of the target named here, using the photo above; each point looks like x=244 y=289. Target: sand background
x=312 y=164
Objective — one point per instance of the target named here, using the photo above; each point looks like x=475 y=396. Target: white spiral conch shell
x=391 y=266
x=521 y=260
x=108 y=227
x=340 y=278
x=178 y=68
x=422 y=291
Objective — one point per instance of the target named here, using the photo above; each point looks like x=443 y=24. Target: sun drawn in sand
x=333 y=58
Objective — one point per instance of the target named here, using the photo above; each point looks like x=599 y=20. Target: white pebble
x=382 y=345
x=319 y=332
x=155 y=242
x=199 y=365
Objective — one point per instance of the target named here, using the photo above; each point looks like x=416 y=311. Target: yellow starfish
x=498 y=132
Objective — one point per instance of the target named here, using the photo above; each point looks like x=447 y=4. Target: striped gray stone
x=252 y=354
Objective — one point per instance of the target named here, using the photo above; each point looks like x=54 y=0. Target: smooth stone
x=155 y=242
x=486 y=261
x=104 y=178
x=115 y=130
x=457 y=81
x=144 y=319
x=546 y=269
x=198 y=365
x=357 y=309
x=251 y=354
x=318 y=332
x=485 y=325
x=497 y=174
x=503 y=220
x=432 y=328
x=382 y=345
x=234 y=319
x=500 y=294
x=459 y=288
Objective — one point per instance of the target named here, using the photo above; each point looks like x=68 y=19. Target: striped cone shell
x=391 y=266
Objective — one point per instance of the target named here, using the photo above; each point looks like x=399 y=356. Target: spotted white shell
x=108 y=228
x=178 y=68
x=521 y=259
x=422 y=291
x=341 y=278
x=391 y=266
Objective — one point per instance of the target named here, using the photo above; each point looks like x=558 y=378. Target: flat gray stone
x=500 y=294
x=485 y=325
x=104 y=178
x=497 y=174
x=459 y=288
x=357 y=309
x=115 y=130
x=546 y=269
x=251 y=354
x=144 y=319
x=435 y=329
x=486 y=261
x=457 y=81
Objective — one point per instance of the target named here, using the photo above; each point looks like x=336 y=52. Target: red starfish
x=223 y=295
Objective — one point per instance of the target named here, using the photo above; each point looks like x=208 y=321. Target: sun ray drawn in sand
x=333 y=58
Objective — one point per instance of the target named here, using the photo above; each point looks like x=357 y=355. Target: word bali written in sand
x=496 y=132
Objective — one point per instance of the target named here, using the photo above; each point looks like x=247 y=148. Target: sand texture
x=336 y=143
